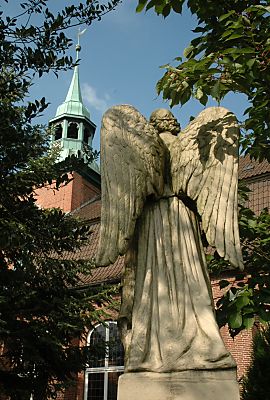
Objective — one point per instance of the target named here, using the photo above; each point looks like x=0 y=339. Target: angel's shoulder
x=167 y=137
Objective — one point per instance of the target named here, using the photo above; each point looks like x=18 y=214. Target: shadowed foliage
x=43 y=309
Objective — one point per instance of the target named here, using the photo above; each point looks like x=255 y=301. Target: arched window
x=73 y=130
x=101 y=376
x=58 y=130
x=86 y=135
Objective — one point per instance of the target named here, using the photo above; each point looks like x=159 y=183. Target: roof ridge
x=94 y=199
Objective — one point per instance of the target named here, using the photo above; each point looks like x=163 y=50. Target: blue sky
x=120 y=60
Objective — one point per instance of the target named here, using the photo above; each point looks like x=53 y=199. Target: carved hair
x=164 y=121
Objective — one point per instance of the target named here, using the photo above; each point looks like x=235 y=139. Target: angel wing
x=132 y=168
x=204 y=163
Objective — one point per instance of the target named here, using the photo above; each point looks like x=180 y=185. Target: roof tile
x=249 y=168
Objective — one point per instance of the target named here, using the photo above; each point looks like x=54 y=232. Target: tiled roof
x=100 y=274
x=249 y=168
x=91 y=211
x=105 y=274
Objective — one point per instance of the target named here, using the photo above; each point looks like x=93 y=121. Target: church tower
x=73 y=129
x=72 y=126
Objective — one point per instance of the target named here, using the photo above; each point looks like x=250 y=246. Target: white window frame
x=106 y=369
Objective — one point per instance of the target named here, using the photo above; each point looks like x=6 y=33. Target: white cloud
x=91 y=97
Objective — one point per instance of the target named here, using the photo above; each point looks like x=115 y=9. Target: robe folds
x=173 y=327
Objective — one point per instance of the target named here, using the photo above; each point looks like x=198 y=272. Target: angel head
x=164 y=121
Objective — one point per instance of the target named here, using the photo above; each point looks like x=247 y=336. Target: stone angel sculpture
x=158 y=191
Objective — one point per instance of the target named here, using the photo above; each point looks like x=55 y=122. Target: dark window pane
x=58 y=132
x=112 y=385
x=72 y=131
x=116 y=350
x=97 y=347
x=86 y=135
x=95 y=387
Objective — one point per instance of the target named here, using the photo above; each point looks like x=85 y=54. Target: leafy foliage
x=256 y=382
x=250 y=295
x=44 y=310
x=230 y=53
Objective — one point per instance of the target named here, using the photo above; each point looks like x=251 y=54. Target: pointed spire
x=74 y=92
x=73 y=104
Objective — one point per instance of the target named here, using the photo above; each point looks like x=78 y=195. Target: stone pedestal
x=186 y=385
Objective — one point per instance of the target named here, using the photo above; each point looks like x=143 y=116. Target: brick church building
x=73 y=130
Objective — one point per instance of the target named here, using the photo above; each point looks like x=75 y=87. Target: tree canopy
x=43 y=307
x=230 y=53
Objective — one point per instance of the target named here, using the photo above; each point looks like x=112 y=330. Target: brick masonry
x=259 y=197
x=241 y=345
x=69 y=197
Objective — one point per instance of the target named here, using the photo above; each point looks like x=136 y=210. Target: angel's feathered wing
x=205 y=167
x=132 y=168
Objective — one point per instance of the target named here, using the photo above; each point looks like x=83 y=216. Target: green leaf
x=177 y=6
x=235 y=50
x=151 y=4
x=204 y=99
x=199 y=93
x=164 y=66
x=235 y=320
x=188 y=51
x=226 y=16
x=258 y=7
x=264 y=315
x=234 y=36
x=141 y=5
x=185 y=84
x=166 y=10
x=247 y=50
x=199 y=30
x=248 y=322
x=159 y=9
x=228 y=32
x=241 y=301
x=251 y=62
x=185 y=96
x=215 y=91
x=252 y=223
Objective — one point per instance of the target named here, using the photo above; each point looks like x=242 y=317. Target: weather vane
x=80 y=33
x=78 y=46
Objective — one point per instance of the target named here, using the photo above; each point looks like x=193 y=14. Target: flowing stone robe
x=173 y=322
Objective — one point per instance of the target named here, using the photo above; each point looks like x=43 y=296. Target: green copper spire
x=73 y=104
x=72 y=128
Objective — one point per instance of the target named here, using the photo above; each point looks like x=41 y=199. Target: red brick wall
x=47 y=197
x=259 y=197
x=241 y=346
x=82 y=191
x=68 y=197
x=80 y=387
